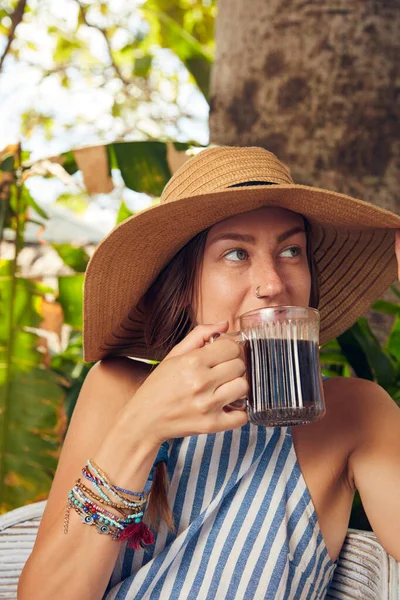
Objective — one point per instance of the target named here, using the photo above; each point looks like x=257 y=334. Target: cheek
x=302 y=285
x=217 y=281
x=219 y=293
x=219 y=296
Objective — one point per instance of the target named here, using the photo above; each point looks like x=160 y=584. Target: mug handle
x=236 y=336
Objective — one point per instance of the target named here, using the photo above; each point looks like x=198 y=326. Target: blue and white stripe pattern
x=246 y=525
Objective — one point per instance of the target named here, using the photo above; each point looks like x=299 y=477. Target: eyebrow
x=245 y=237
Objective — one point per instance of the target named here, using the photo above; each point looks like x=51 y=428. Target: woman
x=256 y=512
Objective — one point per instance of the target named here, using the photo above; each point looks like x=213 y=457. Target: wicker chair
x=364 y=572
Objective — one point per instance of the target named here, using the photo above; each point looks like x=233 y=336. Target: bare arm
x=79 y=564
x=374 y=464
x=120 y=420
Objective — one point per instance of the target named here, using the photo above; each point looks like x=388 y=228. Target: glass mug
x=281 y=352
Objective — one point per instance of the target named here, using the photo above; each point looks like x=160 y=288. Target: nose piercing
x=257 y=293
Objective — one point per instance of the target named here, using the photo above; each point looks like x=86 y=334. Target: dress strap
x=161 y=456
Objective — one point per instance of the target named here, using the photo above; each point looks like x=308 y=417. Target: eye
x=296 y=249
x=240 y=254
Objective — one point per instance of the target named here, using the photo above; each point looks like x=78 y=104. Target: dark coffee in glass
x=284 y=386
x=281 y=351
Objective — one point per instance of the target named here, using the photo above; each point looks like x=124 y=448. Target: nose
x=268 y=282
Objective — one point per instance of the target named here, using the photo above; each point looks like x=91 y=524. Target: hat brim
x=352 y=240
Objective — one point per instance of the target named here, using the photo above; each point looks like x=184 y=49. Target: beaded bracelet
x=126 y=518
x=97 y=482
x=90 y=519
x=124 y=507
x=104 y=481
x=103 y=475
x=83 y=500
x=96 y=469
x=119 y=507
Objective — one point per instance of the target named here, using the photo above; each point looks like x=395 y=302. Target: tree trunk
x=316 y=82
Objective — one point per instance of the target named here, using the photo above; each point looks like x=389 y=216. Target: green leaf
x=172 y=34
x=7 y=165
x=143 y=166
x=70 y=296
x=69 y=163
x=116 y=109
x=365 y=354
x=388 y=308
x=77 y=203
x=30 y=398
x=332 y=358
x=24 y=311
x=123 y=213
x=355 y=354
x=329 y=372
x=395 y=290
x=201 y=71
x=33 y=204
x=393 y=342
x=104 y=9
x=31 y=120
x=66 y=48
x=33 y=426
x=112 y=159
x=142 y=66
x=75 y=257
x=331 y=345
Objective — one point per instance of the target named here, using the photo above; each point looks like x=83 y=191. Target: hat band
x=252 y=183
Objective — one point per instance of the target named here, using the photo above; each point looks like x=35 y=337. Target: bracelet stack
x=91 y=507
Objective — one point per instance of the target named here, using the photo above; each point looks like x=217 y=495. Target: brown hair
x=168 y=322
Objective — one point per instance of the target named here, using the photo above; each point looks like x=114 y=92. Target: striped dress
x=246 y=527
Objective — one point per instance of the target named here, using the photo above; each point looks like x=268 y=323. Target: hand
x=397 y=250
x=188 y=392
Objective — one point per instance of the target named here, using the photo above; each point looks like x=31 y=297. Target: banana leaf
x=143 y=166
x=32 y=417
x=75 y=257
x=70 y=295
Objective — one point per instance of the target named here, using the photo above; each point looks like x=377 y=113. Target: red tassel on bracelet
x=138 y=535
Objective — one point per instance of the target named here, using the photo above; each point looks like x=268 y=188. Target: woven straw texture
x=353 y=243
x=364 y=571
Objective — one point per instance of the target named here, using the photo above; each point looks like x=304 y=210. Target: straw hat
x=352 y=240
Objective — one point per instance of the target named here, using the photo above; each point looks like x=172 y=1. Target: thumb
x=397 y=250
x=197 y=338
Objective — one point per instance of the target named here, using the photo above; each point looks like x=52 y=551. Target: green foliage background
x=38 y=389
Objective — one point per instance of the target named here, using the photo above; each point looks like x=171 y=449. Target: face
x=264 y=247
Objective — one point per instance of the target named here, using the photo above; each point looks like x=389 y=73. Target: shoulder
x=119 y=373
x=362 y=408
x=351 y=393
x=359 y=400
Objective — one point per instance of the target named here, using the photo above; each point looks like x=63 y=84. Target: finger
x=230 y=419
x=231 y=391
x=226 y=371
x=237 y=405
x=220 y=351
x=397 y=250
x=197 y=338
